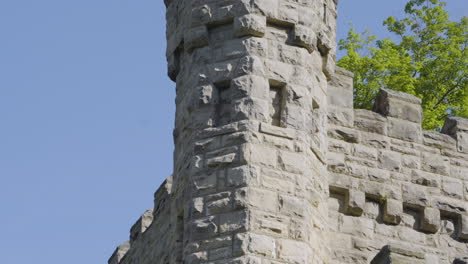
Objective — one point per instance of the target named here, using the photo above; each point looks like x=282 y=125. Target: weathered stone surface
x=273 y=165
x=458 y=129
x=398 y=105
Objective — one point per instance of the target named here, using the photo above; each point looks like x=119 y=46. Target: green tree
x=428 y=58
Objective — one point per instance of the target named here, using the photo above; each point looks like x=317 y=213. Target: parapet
x=457 y=128
x=152 y=223
x=395 y=181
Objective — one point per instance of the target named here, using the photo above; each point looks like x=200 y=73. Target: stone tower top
x=273 y=165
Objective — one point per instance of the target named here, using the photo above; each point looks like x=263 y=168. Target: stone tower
x=272 y=165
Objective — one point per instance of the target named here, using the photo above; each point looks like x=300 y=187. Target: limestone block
x=393 y=209
x=339 y=96
x=220 y=253
x=292 y=162
x=390 y=161
x=292 y=206
x=205 y=145
x=222 y=161
x=425 y=179
x=438 y=140
x=241 y=176
x=346 y=134
x=288 y=12
x=398 y=105
x=415 y=195
x=329 y=65
x=375 y=140
x=250 y=25
x=141 y=225
x=205 y=183
x=233 y=222
x=268 y=8
x=271 y=224
x=430 y=222
x=457 y=128
x=197 y=257
x=365 y=152
x=173 y=66
x=250 y=85
x=324 y=43
x=279 y=71
x=223 y=71
x=277 y=131
x=233 y=48
x=218 y=204
x=340 y=116
x=196 y=38
x=392 y=254
x=357 y=226
x=119 y=253
x=293 y=252
x=255 y=244
x=197 y=207
x=249 y=108
x=263 y=156
x=336 y=162
x=256 y=46
x=295 y=117
x=410 y=161
x=369 y=121
x=204 y=227
x=452 y=187
x=200 y=15
x=355 y=202
x=235 y=139
x=305 y=37
x=263 y=199
x=404 y=130
x=250 y=65
x=378 y=175
x=463 y=227
x=435 y=164
x=306 y=16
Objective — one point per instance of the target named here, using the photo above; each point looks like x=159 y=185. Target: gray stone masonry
x=273 y=165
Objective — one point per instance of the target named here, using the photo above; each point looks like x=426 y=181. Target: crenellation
x=272 y=163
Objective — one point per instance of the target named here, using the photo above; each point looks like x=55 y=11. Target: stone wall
x=392 y=184
x=272 y=165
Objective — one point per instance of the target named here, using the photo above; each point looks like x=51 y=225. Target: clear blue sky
x=86 y=118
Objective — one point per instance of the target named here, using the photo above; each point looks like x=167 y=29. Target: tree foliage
x=427 y=58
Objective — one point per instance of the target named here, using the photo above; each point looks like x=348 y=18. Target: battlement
x=272 y=164
x=388 y=173
x=154 y=225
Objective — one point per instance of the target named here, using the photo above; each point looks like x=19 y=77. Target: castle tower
x=255 y=179
x=249 y=181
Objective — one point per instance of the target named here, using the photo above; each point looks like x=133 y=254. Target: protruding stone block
x=250 y=25
x=463 y=234
x=393 y=209
x=119 y=253
x=201 y=15
x=398 y=105
x=196 y=38
x=430 y=222
x=457 y=128
x=356 y=201
x=305 y=37
x=141 y=225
